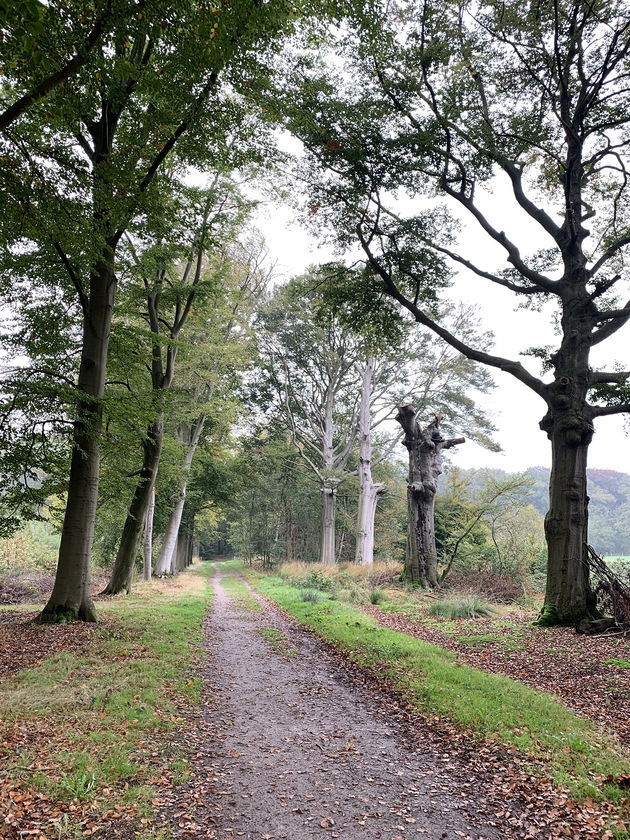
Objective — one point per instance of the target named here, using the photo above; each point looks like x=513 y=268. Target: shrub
x=468 y=607
x=318 y=580
x=377 y=596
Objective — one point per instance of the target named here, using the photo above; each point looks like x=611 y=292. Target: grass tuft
x=469 y=607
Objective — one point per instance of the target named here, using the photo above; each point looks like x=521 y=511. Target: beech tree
x=80 y=165
x=445 y=97
x=170 y=289
x=312 y=363
x=222 y=350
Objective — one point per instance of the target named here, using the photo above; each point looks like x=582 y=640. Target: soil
x=290 y=748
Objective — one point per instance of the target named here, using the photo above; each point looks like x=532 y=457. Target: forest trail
x=289 y=749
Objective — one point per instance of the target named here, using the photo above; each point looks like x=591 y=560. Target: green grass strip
x=240 y=594
x=112 y=699
x=488 y=704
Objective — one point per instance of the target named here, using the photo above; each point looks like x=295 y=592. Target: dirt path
x=290 y=749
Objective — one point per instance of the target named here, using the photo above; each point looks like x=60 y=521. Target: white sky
x=514 y=409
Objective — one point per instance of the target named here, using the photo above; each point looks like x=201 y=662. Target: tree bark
x=568 y=596
x=369 y=493
x=425 y=465
x=165 y=564
x=71 y=597
x=327 y=538
x=122 y=572
x=147 y=546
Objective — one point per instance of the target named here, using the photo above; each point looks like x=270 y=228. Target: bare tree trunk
x=369 y=493
x=327 y=539
x=71 y=597
x=147 y=547
x=568 y=596
x=425 y=465
x=165 y=563
x=122 y=572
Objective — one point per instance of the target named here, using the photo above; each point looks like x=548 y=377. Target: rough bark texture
x=568 y=423
x=425 y=465
x=71 y=597
x=122 y=572
x=369 y=493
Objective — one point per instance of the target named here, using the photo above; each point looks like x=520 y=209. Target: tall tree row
x=81 y=164
x=446 y=98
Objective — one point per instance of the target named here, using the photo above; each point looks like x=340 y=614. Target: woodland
x=186 y=432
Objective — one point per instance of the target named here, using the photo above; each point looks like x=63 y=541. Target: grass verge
x=492 y=706
x=84 y=734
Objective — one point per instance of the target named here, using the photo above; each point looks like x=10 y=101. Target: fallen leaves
x=577 y=669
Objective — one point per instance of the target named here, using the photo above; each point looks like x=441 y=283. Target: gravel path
x=290 y=749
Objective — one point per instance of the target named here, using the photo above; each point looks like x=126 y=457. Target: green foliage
x=469 y=607
x=377 y=596
x=80 y=785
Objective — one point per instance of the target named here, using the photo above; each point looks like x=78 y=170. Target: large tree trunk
x=569 y=426
x=166 y=561
x=147 y=545
x=568 y=596
x=369 y=493
x=327 y=538
x=425 y=465
x=122 y=572
x=71 y=596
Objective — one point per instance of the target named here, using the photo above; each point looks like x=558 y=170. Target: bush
x=318 y=580
x=469 y=607
x=377 y=596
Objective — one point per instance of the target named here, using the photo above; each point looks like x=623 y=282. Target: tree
x=399 y=366
x=170 y=290
x=445 y=98
x=425 y=465
x=36 y=72
x=222 y=349
x=81 y=166
x=486 y=515
x=312 y=364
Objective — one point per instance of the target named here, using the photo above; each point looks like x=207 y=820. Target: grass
x=103 y=711
x=277 y=641
x=468 y=607
x=240 y=594
x=486 y=704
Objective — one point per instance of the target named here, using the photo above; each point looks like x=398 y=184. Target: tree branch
x=52 y=81
x=607 y=410
x=516 y=369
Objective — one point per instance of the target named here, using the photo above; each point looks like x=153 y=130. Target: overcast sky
x=515 y=410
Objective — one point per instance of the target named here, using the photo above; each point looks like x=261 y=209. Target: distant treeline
x=609 y=508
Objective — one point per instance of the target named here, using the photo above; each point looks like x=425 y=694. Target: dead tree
x=425 y=465
x=613 y=596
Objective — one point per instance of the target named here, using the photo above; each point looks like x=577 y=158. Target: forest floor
x=589 y=674
x=274 y=734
